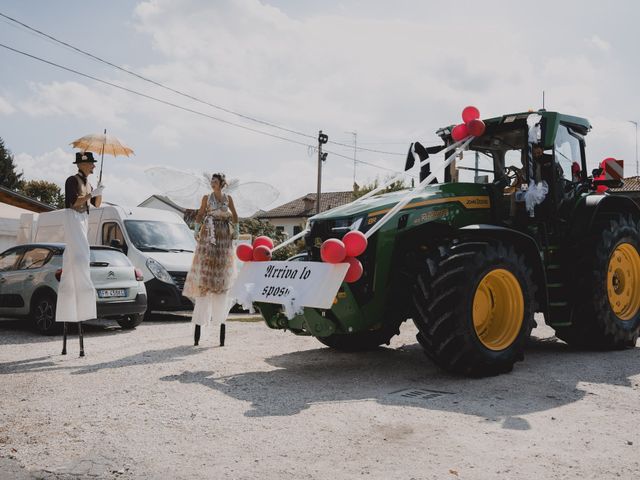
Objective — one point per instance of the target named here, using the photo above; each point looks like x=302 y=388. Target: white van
x=157 y=242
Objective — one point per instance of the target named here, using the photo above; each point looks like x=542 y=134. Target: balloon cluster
x=352 y=244
x=472 y=125
x=260 y=251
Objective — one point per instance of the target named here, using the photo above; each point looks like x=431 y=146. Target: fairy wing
x=183 y=188
x=187 y=189
x=250 y=197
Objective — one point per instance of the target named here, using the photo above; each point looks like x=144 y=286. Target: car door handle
x=29 y=277
x=2 y=279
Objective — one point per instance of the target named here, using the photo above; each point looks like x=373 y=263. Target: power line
x=178 y=92
x=146 y=79
x=174 y=105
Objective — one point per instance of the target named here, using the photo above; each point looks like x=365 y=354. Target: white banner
x=292 y=284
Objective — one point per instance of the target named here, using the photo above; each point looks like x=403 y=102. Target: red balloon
x=333 y=251
x=262 y=240
x=459 y=132
x=355 y=243
x=262 y=253
x=470 y=113
x=244 y=252
x=355 y=270
x=476 y=127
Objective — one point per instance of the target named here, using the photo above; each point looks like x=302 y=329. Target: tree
x=256 y=227
x=9 y=178
x=394 y=187
x=44 y=191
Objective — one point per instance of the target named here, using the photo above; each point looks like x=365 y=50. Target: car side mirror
x=117 y=243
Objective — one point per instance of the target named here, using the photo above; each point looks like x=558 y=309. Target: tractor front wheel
x=474 y=304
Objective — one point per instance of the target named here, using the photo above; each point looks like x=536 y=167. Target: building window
x=297 y=229
x=279 y=229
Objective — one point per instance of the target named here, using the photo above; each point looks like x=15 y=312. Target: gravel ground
x=146 y=404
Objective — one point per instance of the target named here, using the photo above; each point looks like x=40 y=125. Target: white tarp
x=10 y=224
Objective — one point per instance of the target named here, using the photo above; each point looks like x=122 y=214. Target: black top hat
x=82 y=157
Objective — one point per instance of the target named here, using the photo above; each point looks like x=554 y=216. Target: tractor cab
x=539 y=150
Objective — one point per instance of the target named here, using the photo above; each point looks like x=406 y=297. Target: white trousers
x=211 y=309
x=76 y=293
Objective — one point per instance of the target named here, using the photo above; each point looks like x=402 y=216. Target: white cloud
x=54 y=166
x=391 y=76
x=124 y=178
x=73 y=99
x=165 y=135
x=5 y=107
x=598 y=43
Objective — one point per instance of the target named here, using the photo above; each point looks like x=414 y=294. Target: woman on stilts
x=212 y=270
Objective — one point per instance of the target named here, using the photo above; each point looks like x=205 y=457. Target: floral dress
x=213 y=263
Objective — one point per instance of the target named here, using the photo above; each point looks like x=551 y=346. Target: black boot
x=196 y=336
x=64 y=338
x=81 y=339
x=223 y=329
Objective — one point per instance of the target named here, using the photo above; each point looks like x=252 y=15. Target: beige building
x=161 y=202
x=17 y=213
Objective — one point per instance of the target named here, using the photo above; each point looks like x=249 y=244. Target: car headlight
x=159 y=271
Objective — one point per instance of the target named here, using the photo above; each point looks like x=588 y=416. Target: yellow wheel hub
x=623 y=281
x=498 y=309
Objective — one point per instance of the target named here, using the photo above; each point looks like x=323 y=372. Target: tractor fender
x=588 y=209
x=526 y=245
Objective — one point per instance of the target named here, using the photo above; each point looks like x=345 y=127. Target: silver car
x=30 y=274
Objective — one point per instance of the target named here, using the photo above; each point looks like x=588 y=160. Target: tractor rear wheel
x=607 y=314
x=474 y=304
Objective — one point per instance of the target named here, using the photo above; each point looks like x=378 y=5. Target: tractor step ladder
x=559 y=307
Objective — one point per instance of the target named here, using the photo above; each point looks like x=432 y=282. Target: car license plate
x=114 y=292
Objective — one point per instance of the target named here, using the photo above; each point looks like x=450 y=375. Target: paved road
x=147 y=404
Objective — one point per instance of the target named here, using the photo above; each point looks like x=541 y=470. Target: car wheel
x=43 y=314
x=129 y=322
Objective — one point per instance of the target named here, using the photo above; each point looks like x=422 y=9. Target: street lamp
x=636 y=125
x=355 y=149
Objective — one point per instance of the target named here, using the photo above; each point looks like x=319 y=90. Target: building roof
x=631 y=184
x=162 y=199
x=305 y=206
x=17 y=199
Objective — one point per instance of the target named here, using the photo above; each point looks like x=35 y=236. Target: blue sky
x=393 y=72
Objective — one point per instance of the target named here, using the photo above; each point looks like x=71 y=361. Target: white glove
x=96 y=192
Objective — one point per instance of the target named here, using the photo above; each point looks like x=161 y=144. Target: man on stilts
x=76 y=294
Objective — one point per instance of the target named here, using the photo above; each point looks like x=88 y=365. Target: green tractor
x=472 y=262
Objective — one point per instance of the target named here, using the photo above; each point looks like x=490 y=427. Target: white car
x=30 y=274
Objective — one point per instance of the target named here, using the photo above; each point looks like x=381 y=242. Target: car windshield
x=109 y=258
x=149 y=236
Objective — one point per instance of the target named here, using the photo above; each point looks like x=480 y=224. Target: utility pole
x=475 y=174
x=355 y=150
x=322 y=139
x=636 y=125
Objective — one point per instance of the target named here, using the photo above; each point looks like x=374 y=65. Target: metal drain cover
x=419 y=393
